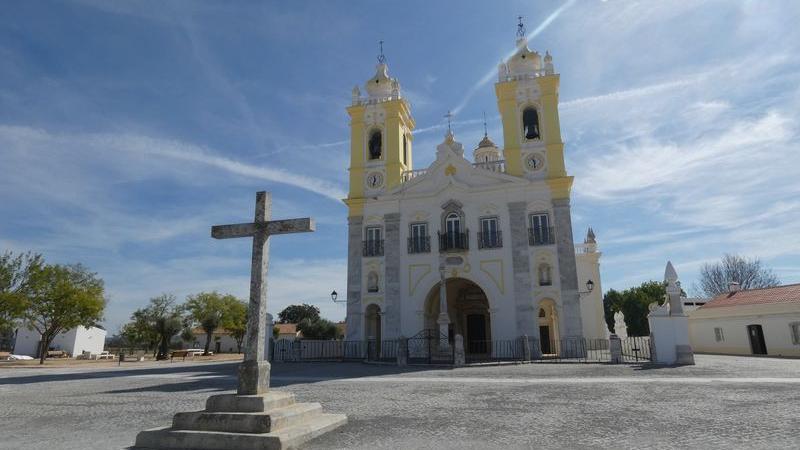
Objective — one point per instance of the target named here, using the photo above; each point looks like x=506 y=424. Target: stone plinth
x=237 y=422
x=459 y=357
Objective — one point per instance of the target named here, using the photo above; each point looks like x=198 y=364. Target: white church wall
x=775 y=320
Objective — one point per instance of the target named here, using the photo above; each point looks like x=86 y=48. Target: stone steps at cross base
x=247 y=422
x=285 y=438
x=249 y=403
x=232 y=422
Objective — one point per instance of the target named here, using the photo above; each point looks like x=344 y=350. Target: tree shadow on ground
x=210 y=368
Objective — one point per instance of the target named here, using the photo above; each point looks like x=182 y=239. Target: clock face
x=534 y=162
x=374 y=180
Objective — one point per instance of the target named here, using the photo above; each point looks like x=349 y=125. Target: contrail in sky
x=493 y=71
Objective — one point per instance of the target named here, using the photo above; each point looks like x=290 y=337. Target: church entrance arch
x=372 y=330
x=468 y=312
x=547 y=318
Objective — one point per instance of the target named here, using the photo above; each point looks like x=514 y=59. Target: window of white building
x=718 y=335
x=795 y=329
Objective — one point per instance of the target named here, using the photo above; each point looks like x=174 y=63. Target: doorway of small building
x=548 y=327
x=468 y=311
x=218 y=347
x=757 y=343
x=373 y=331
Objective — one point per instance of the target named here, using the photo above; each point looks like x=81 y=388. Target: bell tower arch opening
x=468 y=310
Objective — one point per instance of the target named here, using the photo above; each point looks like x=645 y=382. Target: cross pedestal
x=254 y=417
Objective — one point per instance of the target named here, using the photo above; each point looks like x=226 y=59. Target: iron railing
x=636 y=349
x=493 y=239
x=373 y=247
x=419 y=244
x=496 y=350
x=494 y=166
x=428 y=347
x=453 y=242
x=541 y=236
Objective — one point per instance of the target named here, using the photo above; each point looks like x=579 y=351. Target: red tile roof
x=286 y=328
x=789 y=293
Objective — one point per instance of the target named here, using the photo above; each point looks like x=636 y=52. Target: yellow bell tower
x=527 y=98
x=380 y=137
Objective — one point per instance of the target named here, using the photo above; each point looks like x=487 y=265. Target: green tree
x=635 y=305
x=15 y=286
x=61 y=298
x=155 y=325
x=236 y=322
x=317 y=329
x=715 y=278
x=610 y=300
x=140 y=331
x=210 y=310
x=296 y=313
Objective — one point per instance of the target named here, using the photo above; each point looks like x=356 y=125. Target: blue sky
x=128 y=129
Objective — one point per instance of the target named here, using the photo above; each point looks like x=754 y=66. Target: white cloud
x=120 y=151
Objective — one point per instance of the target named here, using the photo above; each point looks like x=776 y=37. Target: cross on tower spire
x=520 y=27
x=485 y=130
x=449 y=116
x=381 y=56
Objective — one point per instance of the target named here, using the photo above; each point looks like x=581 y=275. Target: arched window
x=375 y=142
x=542 y=313
x=545 y=275
x=372 y=282
x=405 y=150
x=453 y=226
x=530 y=123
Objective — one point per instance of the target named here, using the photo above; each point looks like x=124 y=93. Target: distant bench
x=179 y=354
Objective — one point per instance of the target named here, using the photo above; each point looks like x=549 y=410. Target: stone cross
x=254 y=370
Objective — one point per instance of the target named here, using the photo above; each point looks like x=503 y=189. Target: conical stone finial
x=670 y=275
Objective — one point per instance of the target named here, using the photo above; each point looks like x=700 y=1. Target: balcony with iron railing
x=541 y=236
x=492 y=239
x=373 y=247
x=498 y=166
x=454 y=242
x=419 y=244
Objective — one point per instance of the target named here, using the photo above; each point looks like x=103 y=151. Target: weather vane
x=381 y=57
x=485 y=130
x=449 y=115
x=520 y=27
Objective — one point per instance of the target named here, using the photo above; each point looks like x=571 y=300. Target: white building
x=751 y=322
x=482 y=247
x=74 y=341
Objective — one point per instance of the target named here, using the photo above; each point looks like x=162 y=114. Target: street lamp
x=335 y=296
x=589 y=287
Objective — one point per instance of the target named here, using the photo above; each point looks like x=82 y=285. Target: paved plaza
x=723 y=402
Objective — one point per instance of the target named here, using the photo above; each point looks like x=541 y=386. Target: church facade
x=481 y=246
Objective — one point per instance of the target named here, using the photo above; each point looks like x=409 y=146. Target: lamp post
x=589 y=288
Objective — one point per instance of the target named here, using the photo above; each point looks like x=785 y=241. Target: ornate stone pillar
x=391 y=257
x=521 y=266
x=571 y=325
x=444 y=319
x=355 y=327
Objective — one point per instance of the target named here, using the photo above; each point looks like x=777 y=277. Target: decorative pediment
x=452 y=204
x=451 y=170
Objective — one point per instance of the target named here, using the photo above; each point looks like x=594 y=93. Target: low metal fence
x=636 y=349
x=429 y=347
x=385 y=350
x=490 y=351
x=317 y=350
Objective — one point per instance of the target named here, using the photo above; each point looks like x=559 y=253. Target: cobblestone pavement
x=722 y=402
